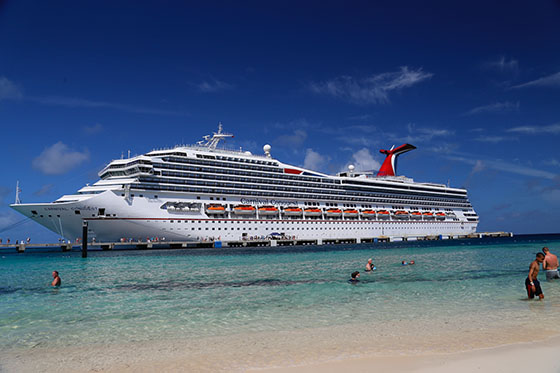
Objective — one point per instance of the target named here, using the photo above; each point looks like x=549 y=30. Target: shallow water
x=138 y=296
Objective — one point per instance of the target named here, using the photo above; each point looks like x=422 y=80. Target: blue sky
x=474 y=85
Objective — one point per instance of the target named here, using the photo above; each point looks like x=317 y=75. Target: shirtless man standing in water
x=550 y=264
x=531 y=283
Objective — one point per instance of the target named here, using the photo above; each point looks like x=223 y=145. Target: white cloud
x=80 y=102
x=9 y=220
x=547 y=81
x=532 y=130
x=314 y=161
x=494 y=108
x=421 y=134
x=364 y=161
x=294 y=140
x=499 y=165
x=494 y=139
x=92 y=130
x=370 y=90
x=478 y=166
x=45 y=189
x=503 y=65
x=59 y=159
x=214 y=85
x=552 y=162
x=8 y=90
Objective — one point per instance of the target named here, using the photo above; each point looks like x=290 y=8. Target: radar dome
x=351 y=167
x=267 y=148
x=248 y=153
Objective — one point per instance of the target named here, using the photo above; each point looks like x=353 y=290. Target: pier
x=149 y=245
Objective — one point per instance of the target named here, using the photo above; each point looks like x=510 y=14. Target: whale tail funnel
x=389 y=166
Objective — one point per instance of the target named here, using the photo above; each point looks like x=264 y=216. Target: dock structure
x=21 y=247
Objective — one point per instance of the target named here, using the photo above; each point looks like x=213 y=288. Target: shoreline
x=303 y=351
x=514 y=357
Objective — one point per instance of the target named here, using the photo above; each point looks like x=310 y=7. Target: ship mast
x=18 y=201
x=212 y=141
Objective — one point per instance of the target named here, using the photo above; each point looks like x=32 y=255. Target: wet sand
x=335 y=349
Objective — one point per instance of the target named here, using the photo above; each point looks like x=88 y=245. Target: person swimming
x=354 y=277
x=56 y=279
x=369 y=265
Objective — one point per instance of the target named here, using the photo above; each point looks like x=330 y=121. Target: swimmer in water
x=56 y=279
x=369 y=265
x=354 y=278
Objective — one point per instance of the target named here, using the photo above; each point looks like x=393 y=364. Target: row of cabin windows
x=286 y=195
x=289 y=189
x=212 y=176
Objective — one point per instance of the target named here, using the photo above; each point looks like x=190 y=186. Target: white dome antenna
x=266 y=150
x=351 y=169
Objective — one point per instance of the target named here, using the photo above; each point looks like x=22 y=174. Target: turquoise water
x=139 y=296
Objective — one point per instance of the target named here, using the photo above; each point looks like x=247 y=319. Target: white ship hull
x=140 y=218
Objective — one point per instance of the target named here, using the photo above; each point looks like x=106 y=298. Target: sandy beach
x=307 y=351
x=521 y=357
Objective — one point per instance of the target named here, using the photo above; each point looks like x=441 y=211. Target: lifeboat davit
x=440 y=215
x=244 y=210
x=368 y=214
x=313 y=211
x=416 y=215
x=333 y=213
x=293 y=211
x=383 y=214
x=400 y=215
x=350 y=213
x=215 y=209
x=268 y=210
x=428 y=216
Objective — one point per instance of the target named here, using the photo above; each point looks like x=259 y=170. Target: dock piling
x=84 y=239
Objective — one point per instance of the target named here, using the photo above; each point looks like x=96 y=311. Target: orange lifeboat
x=293 y=211
x=333 y=212
x=215 y=209
x=368 y=214
x=401 y=215
x=313 y=211
x=383 y=214
x=440 y=215
x=350 y=213
x=416 y=215
x=268 y=210
x=244 y=210
x=428 y=216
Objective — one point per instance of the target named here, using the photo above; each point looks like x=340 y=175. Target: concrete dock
x=143 y=245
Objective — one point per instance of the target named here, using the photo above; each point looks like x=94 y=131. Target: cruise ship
x=205 y=192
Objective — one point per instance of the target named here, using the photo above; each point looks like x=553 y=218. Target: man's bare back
x=550 y=260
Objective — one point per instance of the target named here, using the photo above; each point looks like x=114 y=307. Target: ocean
x=295 y=301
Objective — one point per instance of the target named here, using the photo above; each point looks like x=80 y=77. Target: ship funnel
x=389 y=166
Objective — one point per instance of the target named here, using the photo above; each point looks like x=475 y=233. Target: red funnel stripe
x=389 y=166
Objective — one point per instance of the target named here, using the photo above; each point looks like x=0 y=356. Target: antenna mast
x=212 y=142
x=18 y=201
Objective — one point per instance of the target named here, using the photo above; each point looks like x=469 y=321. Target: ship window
x=77 y=212
x=101 y=211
